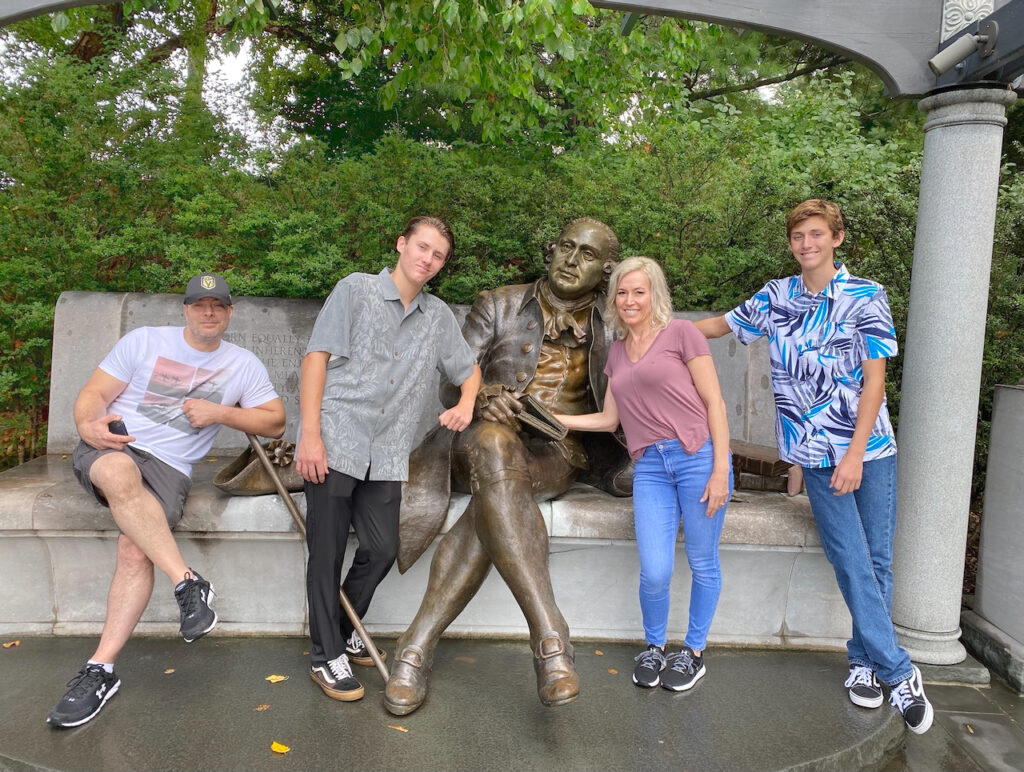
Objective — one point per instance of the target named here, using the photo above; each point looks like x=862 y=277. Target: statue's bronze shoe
x=407 y=685
x=557 y=682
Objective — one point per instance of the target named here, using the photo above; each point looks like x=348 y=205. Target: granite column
x=942 y=364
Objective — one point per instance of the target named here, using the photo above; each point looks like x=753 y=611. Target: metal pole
x=300 y=523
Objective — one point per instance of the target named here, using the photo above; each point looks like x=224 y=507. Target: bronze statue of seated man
x=546 y=339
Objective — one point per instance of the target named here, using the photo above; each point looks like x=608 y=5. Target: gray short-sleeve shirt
x=381 y=371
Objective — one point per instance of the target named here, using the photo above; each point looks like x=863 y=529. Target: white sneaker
x=336 y=679
x=864 y=687
x=358 y=653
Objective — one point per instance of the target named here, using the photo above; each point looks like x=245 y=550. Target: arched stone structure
x=952 y=261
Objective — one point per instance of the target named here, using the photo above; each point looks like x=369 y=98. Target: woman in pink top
x=663 y=389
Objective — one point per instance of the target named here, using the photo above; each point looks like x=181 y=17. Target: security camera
x=956 y=52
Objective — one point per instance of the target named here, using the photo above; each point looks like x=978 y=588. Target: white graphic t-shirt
x=162 y=371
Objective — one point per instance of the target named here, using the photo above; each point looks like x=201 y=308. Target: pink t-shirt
x=656 y=397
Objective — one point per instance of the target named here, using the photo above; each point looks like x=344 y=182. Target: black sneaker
x=864 y=687
x=908 y=698
x=683 y=670
x=89 y=692
x=336 y=679
x=358 y=653
x=195 y=599
x=650 y=663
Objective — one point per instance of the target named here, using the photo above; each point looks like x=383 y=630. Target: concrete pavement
x=208 y=706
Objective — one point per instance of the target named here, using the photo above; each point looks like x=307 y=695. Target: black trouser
x=369 y=506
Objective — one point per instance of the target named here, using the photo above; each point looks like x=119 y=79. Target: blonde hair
x=815 y=207
x=661 y=302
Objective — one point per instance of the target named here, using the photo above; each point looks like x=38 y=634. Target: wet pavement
x=975 y=730
x=209 y=706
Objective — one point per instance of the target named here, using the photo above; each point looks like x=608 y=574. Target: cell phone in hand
x=118 y=427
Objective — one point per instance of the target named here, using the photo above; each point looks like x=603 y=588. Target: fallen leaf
x=613 y=671
x=305 y=654
x=277 y=747
x=9 y=644
x=399 y=728
x=276 y=679
x=598 y=652
x=969 y=728
x=262 y=707
x=168 y=671
x=211 y=458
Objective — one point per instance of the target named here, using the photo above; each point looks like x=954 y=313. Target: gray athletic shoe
x=89 y=692
x=195 y=600
x=683 y=670
x=650 y=663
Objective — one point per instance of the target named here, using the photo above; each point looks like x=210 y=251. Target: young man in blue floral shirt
x=829 y=335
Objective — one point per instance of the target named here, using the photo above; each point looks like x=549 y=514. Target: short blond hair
x=661 y=301
x=815 y=207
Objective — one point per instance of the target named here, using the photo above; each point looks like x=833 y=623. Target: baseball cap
x=206 y=285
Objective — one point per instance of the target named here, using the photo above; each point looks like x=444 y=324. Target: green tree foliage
x=346 y=114
x=536 y=74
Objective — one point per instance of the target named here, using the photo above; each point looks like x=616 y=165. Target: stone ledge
x=995 y=648
x=770 y=597
x=753 y=517
x=58 y=546
x=970 y=672
x=43 y=496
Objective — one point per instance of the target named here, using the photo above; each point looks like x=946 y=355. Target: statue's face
x=578 y=260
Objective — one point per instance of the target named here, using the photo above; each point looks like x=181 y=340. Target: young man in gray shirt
x=368 y=370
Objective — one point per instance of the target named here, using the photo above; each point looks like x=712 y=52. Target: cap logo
x=208 y=282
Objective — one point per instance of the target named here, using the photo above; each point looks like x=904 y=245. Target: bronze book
x=537 y=419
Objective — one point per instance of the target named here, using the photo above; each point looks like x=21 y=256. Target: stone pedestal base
x=933 y=648
x=999 y=651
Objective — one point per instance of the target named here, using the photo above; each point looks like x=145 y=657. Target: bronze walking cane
x=300 y=523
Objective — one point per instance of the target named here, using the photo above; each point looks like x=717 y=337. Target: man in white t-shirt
x=149 y=411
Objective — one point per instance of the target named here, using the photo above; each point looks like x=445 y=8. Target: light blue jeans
x=668 y=483
x=856 y=532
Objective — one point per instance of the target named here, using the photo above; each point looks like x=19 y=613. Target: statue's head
x=582 y=258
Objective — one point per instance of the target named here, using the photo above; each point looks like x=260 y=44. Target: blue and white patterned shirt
x=817 y=344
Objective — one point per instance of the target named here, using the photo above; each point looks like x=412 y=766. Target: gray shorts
x=167 y=484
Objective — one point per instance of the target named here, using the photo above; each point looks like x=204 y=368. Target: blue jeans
x=667 y=482
x=856 y=532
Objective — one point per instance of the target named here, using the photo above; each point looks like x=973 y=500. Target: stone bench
x=57 y=544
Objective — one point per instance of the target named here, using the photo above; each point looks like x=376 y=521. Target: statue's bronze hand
x=503 y=408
